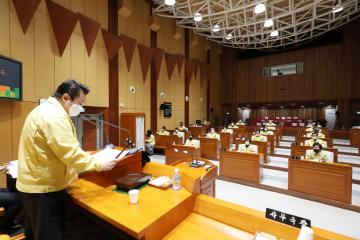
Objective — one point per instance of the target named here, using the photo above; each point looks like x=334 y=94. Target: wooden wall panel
x=329 y=73
x=5 y=29
x=6 y=136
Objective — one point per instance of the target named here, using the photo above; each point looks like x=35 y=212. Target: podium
x=135 y=123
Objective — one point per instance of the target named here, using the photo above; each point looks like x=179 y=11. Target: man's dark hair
x=72 y=88
x=317 y=144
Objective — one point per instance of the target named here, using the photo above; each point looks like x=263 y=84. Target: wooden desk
x=262 y=148
x=328 y=180
x=197 y=132
x=207 y=177
x=226 y=139
x=161 y=141
x=172 y=156
x=271 y=140
x=239 y=132
x=210 y=148
x=298 y=150
x=242 y=166
x=355 y=138
x=300 y=139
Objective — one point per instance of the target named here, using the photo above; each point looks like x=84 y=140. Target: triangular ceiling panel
x=25 y=10
x=145 y=54
x=63 y=22
x=112 y=43
x=89 y=29
x=129 y=45
x=170 y=61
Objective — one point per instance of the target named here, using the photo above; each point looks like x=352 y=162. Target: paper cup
x=134 y=196
x=306 y=233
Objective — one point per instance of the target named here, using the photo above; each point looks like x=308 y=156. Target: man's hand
x=108 y=164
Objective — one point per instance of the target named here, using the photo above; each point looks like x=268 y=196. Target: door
x=330 y=117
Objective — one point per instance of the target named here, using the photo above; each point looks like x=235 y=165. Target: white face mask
x=75 y=110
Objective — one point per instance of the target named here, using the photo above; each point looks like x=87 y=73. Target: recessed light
x=274 y=33
x=170 y=2
x=228 y=37
x=337 y=8
x=260 y=8
x=197 y=17
x=268 y=23
x=302 y=106
x=216 y=28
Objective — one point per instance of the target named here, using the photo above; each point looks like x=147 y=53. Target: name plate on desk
x=286 y=218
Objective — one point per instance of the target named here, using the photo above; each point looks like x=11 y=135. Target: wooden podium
x=135 y=123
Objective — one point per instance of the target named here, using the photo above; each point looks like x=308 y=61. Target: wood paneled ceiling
x=296 y=21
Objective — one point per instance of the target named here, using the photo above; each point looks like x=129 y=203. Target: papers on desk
x=109 y=153
x=161 y=182
x=264 y=236
x=12 y=168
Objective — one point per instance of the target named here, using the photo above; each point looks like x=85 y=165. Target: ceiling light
x=197 y=17
x=228 y=37
x=337 y=8
x=260 y=8
x=268 y=23
x=302 y=106
x=274 y=33
x=216 y=28
x=170 y=2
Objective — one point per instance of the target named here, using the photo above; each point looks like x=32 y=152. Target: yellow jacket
x=250 y=149
x=50 y=156
x=164 y=132
x=213 y=135
x=151 y=139
x=311 y=142
x=192 y=143
x=321 y=156
x=260 y=138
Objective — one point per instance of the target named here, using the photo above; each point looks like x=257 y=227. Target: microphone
x=128 y=142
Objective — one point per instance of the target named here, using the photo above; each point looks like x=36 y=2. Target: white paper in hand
x=109 y=153
x=12 y=169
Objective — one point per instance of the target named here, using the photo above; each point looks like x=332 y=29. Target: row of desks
x=331 y=181
x=169 y=214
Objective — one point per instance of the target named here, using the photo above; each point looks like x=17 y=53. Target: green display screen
x=10 y=78
x=167 y=109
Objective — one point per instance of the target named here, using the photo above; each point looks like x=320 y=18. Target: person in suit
x=247 y=147
x=213 y=134
x=315 y=139
x=182 y=127
x=191 y=142
x=258 y=137
x=163 y=131
x=150 y=142
x=317 y=154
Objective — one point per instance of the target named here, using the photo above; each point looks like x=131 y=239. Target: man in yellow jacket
x=50 y=158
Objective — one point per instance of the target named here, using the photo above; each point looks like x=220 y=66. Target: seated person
x=240 y=123
x=213 y=134
x=232 y=125
x=163 y=131
x=191 y=142
x=258 y=137
x=150 y=142
x=317 y=155
x=248 y=147
x=179 y=134
x=319 y=134
x=265 y=131
x=182 y=127
x=313 y=127
x=270 y=124
x=228 y=130
x=315 y=139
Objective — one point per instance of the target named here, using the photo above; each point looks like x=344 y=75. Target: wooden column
x=344 y=121
x=153 y=85
x=187 y=80
x=208 y=60
x=113 y=111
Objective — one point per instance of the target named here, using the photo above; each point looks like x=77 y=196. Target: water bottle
x=176 y=180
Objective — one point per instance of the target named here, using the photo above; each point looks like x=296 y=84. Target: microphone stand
x=128 y=142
